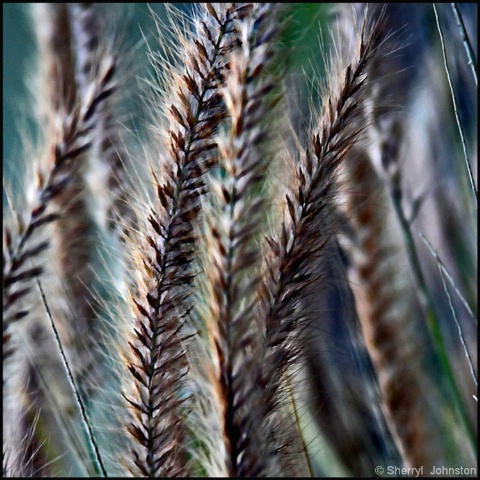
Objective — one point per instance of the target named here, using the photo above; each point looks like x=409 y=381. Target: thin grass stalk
x=454 y=102
x=443 y=275
x=431 y=317
x=472 y=61
x=385 y=330
x=56 y=412
x=447 y=274
x=298 y=423
x=424 y=296
x=459 y=328
x=99 y=466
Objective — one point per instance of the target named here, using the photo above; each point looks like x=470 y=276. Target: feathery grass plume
x=346 y=402
x=104 y=177
x=75 y=235
x=67 y=127
x=391 y=317
x=206 y=446
x=14 y=288
x=193 y=108
x=85 y=42
x=157 y=359
x=15 y=457
x=157 y=364
x=232 y=277
x=72 y=236
x=107 y=176
x=16 y=251
x=187 y=109
x=294 y=256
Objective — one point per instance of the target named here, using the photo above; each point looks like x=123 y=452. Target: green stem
x=432 y=320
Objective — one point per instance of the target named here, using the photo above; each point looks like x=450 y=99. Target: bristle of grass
x=160 y=307
x=232 y=282
x=392 y=318
x=295 y=254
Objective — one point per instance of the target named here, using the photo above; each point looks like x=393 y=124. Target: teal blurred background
x=17 y=50
x=19 y=64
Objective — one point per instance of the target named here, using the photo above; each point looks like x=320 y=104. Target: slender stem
x=99 y=466
x=297 y=421
x=460 y=331
x=432 y=320
x=448 y=276
x=460 y=129
x=444 y=273
x=472 y=61
x=56 y=409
